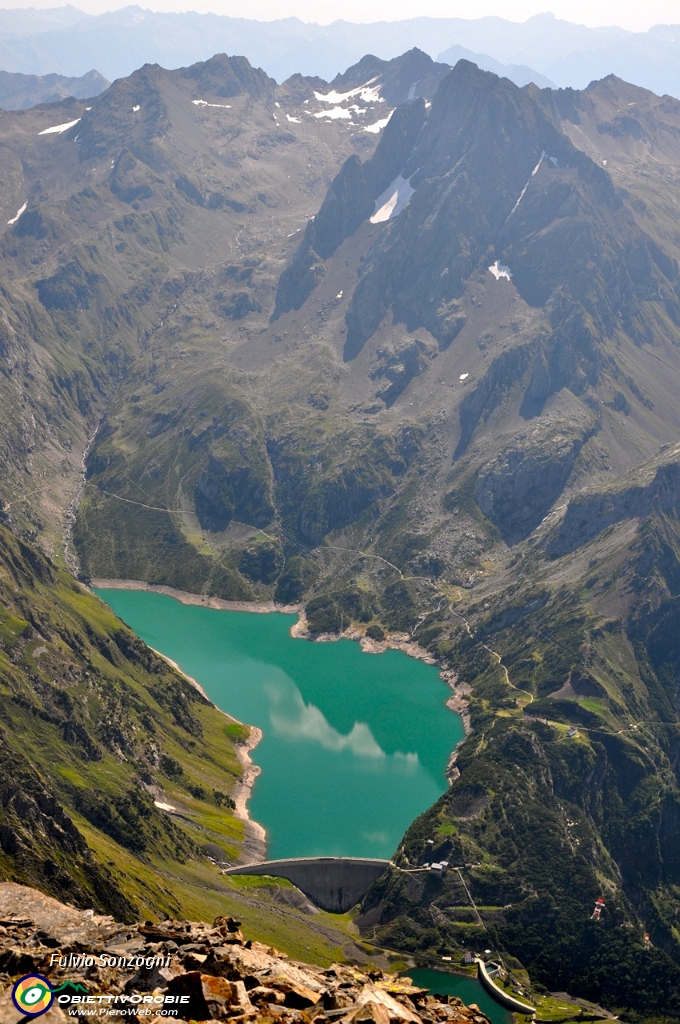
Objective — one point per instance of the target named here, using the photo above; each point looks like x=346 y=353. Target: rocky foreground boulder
x=190 y=971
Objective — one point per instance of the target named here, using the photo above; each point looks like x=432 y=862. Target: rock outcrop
x=588 y=515
x=517 y=488
x=207 y=972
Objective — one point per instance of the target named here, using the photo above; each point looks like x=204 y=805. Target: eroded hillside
x=406 y=348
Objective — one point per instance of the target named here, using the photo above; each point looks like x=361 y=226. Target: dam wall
x=335 y=884
x=494 y=990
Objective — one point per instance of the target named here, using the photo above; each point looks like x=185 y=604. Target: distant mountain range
x=19 y=92
x=543 y=49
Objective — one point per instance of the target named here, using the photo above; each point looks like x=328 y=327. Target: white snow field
x=57 y=129
x=335 y=113
x=16 y=216
x=364 y=92
x=204 y=103
x=377 y=125
x=499 y=270
x=394 y=199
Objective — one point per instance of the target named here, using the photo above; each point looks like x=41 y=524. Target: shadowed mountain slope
x=416 y=366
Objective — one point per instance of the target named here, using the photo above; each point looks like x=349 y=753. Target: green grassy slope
x=95 y=730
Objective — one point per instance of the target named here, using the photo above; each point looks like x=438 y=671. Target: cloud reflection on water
x=292 y=719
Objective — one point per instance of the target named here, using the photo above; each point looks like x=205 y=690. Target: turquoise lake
x=467 y=989
x=355 y=746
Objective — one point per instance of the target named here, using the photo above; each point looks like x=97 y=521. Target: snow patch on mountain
x=335 y=113
x=57 y=129
x=16 y=216
x=377 y=126
x=204 y=103
x=522 y=193
x=394 y=199
x=499 y=270
x=364 y=92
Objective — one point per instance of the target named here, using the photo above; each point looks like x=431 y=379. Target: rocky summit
x=404 y=349
x=203 y=972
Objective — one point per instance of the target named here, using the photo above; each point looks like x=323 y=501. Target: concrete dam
x=335 y=884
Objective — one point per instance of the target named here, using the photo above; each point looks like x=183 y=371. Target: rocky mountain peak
x=207 y=971
x=412 y=74
x=224 y=76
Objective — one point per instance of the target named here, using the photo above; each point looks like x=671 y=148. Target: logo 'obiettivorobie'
x=33 y=995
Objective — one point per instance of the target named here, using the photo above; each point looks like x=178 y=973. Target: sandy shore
x=198 y=599
x=254 y=849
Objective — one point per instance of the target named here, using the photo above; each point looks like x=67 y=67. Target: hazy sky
x=631 y=15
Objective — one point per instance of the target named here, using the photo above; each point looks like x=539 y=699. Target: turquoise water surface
x=355 y=746
x=468 y=989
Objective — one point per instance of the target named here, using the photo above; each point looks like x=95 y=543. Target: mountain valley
x=403 y=349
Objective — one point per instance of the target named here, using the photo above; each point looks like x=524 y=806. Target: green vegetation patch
x=96 y=732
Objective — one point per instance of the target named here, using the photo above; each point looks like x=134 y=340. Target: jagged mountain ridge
x=119 y=41
x=574 y=210
x=432 y=478
x=586 y=270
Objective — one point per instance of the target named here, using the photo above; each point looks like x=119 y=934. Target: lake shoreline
x=457 y=702
x=254 y=848
x=202 y=600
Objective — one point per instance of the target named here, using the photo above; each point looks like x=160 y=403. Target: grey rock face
x=518 y=487
x=590 y=514
x=348 y=203
x=19 y=92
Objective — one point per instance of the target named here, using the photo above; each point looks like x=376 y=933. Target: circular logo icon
x=32 y=995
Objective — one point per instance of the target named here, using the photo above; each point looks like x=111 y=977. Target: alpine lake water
x=355 y=745
x=468 y=989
